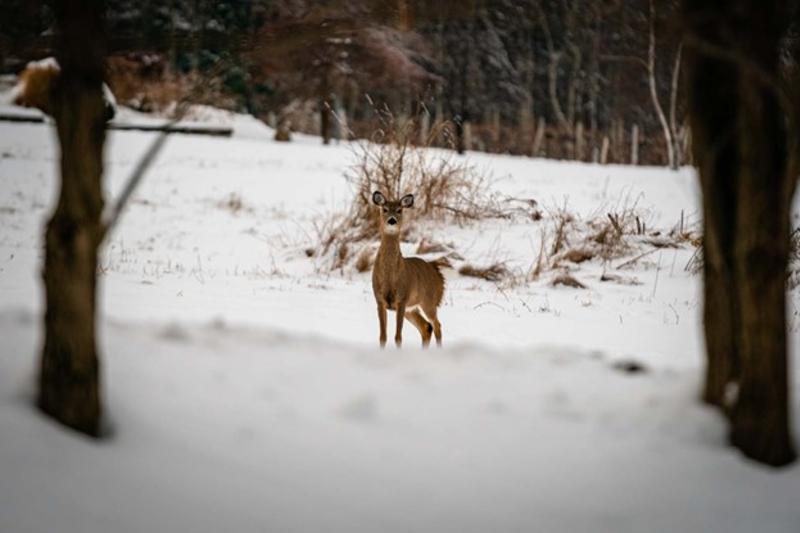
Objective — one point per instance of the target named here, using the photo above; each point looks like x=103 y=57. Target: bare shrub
x=445 y=186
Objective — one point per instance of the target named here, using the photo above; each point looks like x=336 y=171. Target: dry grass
x=616 y=278
x=233 y=203
x=621 y=233
x=567 y=280
x=426 y=246
x=494 y=272
x=578 y=255
x=365 y=259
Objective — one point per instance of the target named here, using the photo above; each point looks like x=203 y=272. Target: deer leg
x=401 y=313
x=431 y=313
x=382 y=322
x=424 y=327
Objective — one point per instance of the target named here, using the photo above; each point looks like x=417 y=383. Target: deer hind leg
x=382 y=323
x=424 y=327
x=431 y=314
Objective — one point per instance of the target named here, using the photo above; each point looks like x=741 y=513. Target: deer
x=410 y=286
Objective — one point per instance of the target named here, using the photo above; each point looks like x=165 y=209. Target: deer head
x=391 y=211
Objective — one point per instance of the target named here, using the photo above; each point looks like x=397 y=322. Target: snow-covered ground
x=245 y=390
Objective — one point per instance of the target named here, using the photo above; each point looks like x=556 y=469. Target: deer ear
x=378 y=198
x=407 y=200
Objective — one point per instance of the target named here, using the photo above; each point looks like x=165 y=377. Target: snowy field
x=245 y=391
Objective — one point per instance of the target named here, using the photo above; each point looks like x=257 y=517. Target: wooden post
x=538 y=140
x=604 y=151
x=578 y=155
x=635 y=144
x=341 y=119
x=424 y=128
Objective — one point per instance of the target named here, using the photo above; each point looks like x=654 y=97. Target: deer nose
x=392 y=221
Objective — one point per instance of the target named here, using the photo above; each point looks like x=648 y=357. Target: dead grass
x=494 y=272
x=233 y=203
x=578 y=255
x=621 y=280
x=622 y=233
x=426 y=246
x=567 y=280
x=365 y=259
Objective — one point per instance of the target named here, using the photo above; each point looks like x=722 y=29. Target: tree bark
x=739 y=143
x=69 y=388
x=760 y=418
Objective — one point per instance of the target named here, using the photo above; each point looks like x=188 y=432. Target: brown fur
x=410 y=286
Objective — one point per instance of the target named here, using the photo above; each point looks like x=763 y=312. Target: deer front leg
x=382 y=322
x=401 y=312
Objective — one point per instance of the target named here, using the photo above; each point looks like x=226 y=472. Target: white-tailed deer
x=410 y=286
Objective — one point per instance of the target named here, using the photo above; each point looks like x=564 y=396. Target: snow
x=245 y=391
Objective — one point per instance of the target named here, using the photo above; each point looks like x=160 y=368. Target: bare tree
x=651 y=78
x=747 y=184
x=675 y=129
x=69 y=388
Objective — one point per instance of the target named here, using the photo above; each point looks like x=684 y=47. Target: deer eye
x=385 y=209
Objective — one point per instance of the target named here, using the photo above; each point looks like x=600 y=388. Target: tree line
x=592 y=80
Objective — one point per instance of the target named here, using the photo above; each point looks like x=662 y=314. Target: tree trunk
x=760 y=419
x=713 y=101
x=746 y=200
x=69 y=389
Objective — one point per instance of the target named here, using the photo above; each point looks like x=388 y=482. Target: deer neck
x=389 y=252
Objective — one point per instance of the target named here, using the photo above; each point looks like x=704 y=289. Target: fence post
x=635 y=144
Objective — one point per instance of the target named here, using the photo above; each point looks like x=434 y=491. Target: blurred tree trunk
x=325 y=121
x=68 y=380
x=739 y=140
